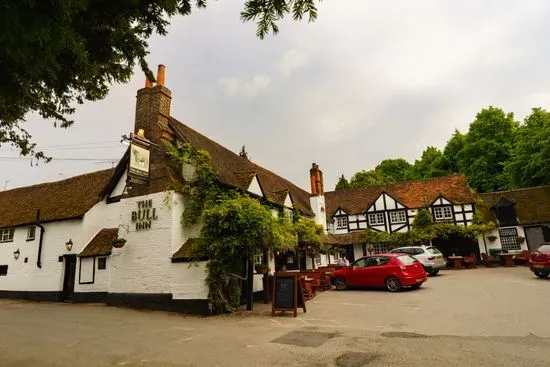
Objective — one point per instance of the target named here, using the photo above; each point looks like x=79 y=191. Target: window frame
x=505 y=238
x=376 y=215
x=29 y=230
x=441 y=210
x=342 y=222
x=101 y=263
x=398 y=214
x=10 y=234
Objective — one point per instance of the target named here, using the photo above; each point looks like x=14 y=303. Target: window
x=443 y=213
x=3 y=270
x=398 y=217
x=407 y=260
x=509 y=239
x=361 y=263
x=376 y=219
x=401 y=250
x=434 y=251
x=318 y=259
x=6 y=234
x=31 y=231
x=377 y=261
x=102 y=263
x=544 y=248
x=341 y=222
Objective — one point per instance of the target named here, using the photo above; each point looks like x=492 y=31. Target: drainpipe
x=42 y=230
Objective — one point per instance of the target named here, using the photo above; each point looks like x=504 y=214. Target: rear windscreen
x=407 y=260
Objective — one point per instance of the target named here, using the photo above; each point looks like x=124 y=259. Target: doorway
x=68 y=278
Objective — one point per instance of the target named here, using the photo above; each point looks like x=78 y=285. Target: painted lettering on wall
x=144 y=215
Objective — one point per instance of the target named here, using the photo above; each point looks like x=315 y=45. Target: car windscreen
x=434 y=250
x=407 y=260
x=544 y=248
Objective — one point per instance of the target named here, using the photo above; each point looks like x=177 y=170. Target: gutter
x=42 y=230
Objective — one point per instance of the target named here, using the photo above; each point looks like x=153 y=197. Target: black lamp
x=69 y=245
x=16 y=254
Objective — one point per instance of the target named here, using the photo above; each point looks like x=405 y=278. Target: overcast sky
x=369 y=80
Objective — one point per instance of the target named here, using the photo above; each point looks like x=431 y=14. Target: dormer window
x=376 y=219
x=6 y=234
x=443 y=212
x=505 y=212
x=341 y=222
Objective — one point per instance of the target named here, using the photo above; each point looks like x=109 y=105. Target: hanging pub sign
x=140 y=152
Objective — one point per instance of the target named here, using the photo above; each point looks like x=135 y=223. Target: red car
x=540 y=261
x=392 y=271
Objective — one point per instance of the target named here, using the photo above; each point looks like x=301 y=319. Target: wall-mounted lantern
x=16 y=254
x=69 y=245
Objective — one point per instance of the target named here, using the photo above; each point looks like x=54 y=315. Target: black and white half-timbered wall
x=393 y=208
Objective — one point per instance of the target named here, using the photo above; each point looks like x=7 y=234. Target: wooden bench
x=315 y=275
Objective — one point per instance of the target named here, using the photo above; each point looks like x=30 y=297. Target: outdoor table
x=457 y=261
x=507 y=259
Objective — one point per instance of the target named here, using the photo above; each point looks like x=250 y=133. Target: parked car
x=392 y=271
x=539 y=263
x=430 y=257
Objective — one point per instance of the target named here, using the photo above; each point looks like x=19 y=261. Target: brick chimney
x=316 y=179
x=153 y=108
x=317 y=197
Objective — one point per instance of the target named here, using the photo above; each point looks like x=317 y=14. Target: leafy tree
x=393 y=170
x=487 y=148
x=365 y=178
x=236 y=229
x=453 y=152
x=342 y=183
x=429 y=165
x=310 y=237
x=58 y=53
x=529 y=164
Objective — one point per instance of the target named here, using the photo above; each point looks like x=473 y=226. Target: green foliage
x=342 y=183
x=429 y=165
x=365 y=178
x=374 y=237
x=310 y=236
x=423 y=219
x=487 y=148
x=59 y=53
x=529 y=164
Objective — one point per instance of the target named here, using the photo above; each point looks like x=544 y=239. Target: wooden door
x=68 y=278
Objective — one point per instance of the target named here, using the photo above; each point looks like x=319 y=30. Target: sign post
x=287 y=294
x=140 y=152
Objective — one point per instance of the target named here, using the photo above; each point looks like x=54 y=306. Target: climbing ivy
x=235 y=227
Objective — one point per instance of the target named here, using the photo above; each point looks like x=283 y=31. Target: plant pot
x=119 y=244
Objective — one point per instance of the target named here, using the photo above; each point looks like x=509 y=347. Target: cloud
x=291 y=61
x=250 y=88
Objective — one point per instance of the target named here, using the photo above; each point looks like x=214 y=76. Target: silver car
x=430 y=257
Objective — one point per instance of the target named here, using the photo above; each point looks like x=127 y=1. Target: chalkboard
x=287 y=293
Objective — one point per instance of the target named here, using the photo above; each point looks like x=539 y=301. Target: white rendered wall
x=318 y=207
x=496 y=243
x=143 y=264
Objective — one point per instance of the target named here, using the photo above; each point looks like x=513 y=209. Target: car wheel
x=433 y=272
x=340 y=284
x=416 y=286
x=542 y=274
x=392 y=284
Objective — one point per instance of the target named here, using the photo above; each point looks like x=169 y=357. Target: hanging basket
x=119 y=243
x=492 y=238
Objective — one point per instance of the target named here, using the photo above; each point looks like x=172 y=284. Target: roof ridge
x=376 y=186
x=515 y=190
x=249 y=162
x=55 y=182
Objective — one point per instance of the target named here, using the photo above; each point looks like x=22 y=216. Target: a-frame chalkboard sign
x=287 y=294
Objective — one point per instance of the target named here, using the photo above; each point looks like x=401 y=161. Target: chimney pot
x=161 y=75
x=148 y=83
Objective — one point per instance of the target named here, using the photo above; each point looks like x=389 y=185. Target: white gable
x=288 y=201
x=119 y=188
x=255 y=188
x=441 y=201
x=385 y=202
x=340 y=212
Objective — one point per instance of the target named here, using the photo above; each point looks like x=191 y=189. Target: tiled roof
x=237 y=171
x=186 y=252
x=69 y=198
x=101 y=244
x=412 y=194
x=532 y=204
x=352 y=238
